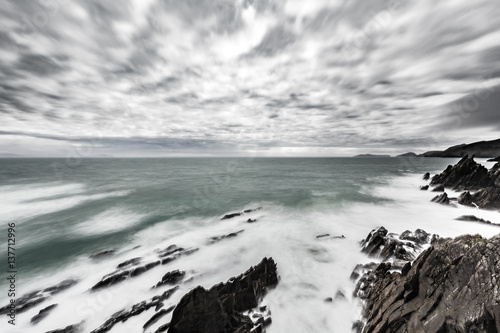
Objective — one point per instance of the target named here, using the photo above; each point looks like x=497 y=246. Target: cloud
x=236 y=76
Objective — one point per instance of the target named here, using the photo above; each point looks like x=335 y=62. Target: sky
x=246 y=78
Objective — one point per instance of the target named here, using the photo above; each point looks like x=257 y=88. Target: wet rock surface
x=42 y=314
x=75 y=328
x=131 y=268
x=220 y=309
x=103 y=255
x=472 y=218
x=450 y=287
x=171 y=278
x=488 y=198
x=246 y=211
x=36 y=297
x=216 y=239
x=441 y=199
x=135 y=310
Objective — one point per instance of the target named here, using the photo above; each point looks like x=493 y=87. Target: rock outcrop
x=36 y=297
x=441 y=199
x=479 y=149
x=451 y=287
x=220 y=309
x=466 y=174
x=488 y=198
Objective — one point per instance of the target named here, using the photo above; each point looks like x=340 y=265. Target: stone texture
x=220 y=308
x=451 y=287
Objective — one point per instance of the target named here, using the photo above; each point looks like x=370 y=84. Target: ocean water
x=66 y=210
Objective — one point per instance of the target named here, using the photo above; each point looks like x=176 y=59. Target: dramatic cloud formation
x=240 y=77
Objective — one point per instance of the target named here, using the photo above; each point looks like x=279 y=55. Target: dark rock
x=383 y=245
x=171 y=278
x=328 y=300
x=251 y=220
x=102 y=255
x=495 y=174
x=357 y=326
x=472 y=218
x=119 y=276
x=220 y=308
x=480 y=149
x=43 y=313
x=324 y=235
x=130 y=262
x=439 y=188
x=419 y=236
x=176 y=254
x=441 y=199
x=135 y=310
x=496 y=159
x=76 y=328
x=246 y=211
x=466 y=174
x=34 y=298
x=424 y=188
x=157 y=316
x=339 y=295
x=487 y=198
x=216 y=239
x=451 y=287
x=163 y=328
x=230 y=216
x=426 y=176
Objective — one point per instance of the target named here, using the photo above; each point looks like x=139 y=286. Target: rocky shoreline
x=420 y=282
x=452 y=284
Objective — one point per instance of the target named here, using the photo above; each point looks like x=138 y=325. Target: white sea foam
x=310 y=269
x=111 y=220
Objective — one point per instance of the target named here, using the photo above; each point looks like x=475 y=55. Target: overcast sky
x=261 y=77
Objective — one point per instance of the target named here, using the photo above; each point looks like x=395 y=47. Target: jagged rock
x=466 y=174
x=419 y=236
x=119 y=276
x=426 y=176
x=439 y=188
x=441 y=199
x=424 y=188
x=472 y=218
x=171 y=278
x=495 y=174
x=451 y=287
x=135 y=310
x=102 y=255
x=220 y=308
x=216 y=239
x=75 y=328
x=496 y=159
x=34 y=298
x=157 y=316
x=383 y=245
x=43 y=313
x=488 y=198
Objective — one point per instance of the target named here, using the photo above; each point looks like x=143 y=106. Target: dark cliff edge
x=452 y=286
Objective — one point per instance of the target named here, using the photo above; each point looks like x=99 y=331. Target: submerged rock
x=426 y=176
x=43 y=313
x=472 y=218
x=36 y=297
x=246 y=211
x=220 y=308
x=102 y=254
x=216 y=239
x=424 y=188
x=451 y=287
x=75 y=328
x=466 y=174
x=135 y=310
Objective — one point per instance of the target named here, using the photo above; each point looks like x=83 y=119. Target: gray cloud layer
x=161 y=77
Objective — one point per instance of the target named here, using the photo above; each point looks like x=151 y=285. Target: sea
x=63 y=211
